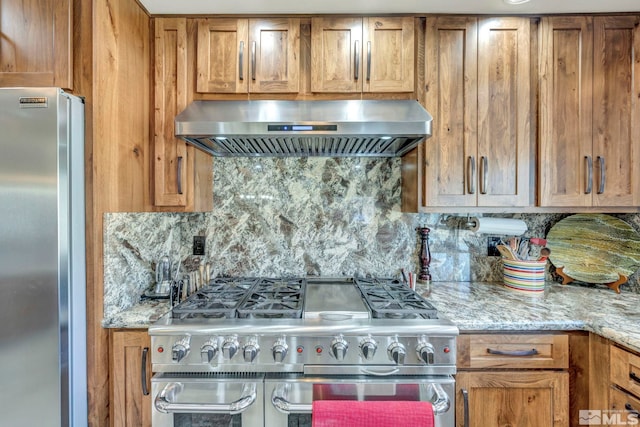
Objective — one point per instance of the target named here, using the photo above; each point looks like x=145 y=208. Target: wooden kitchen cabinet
x=36 y=43
x=477 y=79
x=625 y=382
x=260 y=55
x=183 y=176
x=589 y=127
x=130 y=376
x=516 y=380
x=371 y=54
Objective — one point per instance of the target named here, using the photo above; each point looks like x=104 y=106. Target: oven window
x=299 y=420
x=207 y=420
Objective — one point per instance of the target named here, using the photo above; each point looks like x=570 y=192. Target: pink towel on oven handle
x=354 y=413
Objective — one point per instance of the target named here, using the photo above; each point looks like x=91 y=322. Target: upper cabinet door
x=241 y=55
x=274 y=55
x=336 y=54
x=36 y=43
x=616 y=111
x=451 y=80
x=566 y=80
x=389 y=52
x=504 y=112
x=223 y=56
x=171 y=97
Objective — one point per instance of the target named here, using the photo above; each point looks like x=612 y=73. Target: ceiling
x=271 y=7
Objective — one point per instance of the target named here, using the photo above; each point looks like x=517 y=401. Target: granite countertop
x=492 y=307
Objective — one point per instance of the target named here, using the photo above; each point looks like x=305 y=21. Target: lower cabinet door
x=130 y=379
x=512 y=398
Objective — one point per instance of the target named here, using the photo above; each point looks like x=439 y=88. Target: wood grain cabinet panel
x=130 y=397
x=522 y=398
x=248 y=55
x=513 y=380
x=371 y=54
x=36 y=43
x=589 y=86
x=477 y=81
x=182 y=175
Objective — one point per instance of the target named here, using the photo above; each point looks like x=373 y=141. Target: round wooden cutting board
x=594 y=248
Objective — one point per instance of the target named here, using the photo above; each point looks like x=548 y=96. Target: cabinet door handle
x=603 y=175
x=179 y=180
x=471 y=174
x=634 y=377
x=253 y=60
x=484 y=170
x=368 y=61
x=632 y=411
x=589 y=183
x=465 y=401
x=514 y=353
x=143 y=370
x=356 y=60
x=241 y=61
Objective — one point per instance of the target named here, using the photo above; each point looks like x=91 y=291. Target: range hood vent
x=368 y=128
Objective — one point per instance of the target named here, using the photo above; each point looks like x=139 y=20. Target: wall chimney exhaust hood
x=369 y=128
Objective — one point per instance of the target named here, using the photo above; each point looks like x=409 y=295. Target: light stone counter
x=492 y=307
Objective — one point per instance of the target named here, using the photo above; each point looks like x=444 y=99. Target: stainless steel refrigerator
x=42 y=259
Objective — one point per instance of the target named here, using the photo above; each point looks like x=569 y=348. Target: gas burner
x=219 y=299
x=390 y=299
x=274 y=298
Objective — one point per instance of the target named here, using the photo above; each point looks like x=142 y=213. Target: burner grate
x=388 y=298
x=274 y=298
x=219 y=299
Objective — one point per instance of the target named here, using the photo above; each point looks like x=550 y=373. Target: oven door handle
x=280 y=400
x=165 y=401
x=379 y=373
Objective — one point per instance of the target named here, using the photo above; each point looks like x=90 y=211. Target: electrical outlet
x=198 y=245
x=492 y=243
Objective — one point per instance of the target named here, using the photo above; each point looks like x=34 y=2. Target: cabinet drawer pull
x=484 y=170
x=179 y=174
x=514 y=353
x=356 y=60
x=471 y=175
x=241 y=61
x=368 y=61
x=589 y=185
x=603 y=175
x=465 y=400
x=634 y=377
x=143 y=376
x=632 y=411
x=253 y=60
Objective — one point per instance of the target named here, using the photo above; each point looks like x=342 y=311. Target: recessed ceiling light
x=515 y=1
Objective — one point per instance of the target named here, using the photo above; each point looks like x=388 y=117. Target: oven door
x=207 y=399
x=288 y=397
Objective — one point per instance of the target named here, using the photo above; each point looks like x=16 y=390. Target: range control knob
x=180 y=349
x=397 y=352
x=279 y=350
x=339 y=347
x=230 y=347
x=425 y=352
x=251 y=349
x=209 y=350
x=368 y=347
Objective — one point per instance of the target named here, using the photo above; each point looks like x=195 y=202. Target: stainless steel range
x=258 y=351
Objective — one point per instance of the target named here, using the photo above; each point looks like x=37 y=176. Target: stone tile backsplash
x=297 y=217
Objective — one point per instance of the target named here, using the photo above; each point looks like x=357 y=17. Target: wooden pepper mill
x=425 y=255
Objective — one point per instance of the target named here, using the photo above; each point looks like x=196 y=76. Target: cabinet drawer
x=621 y=401
x=625 y=370
x=513 y=351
